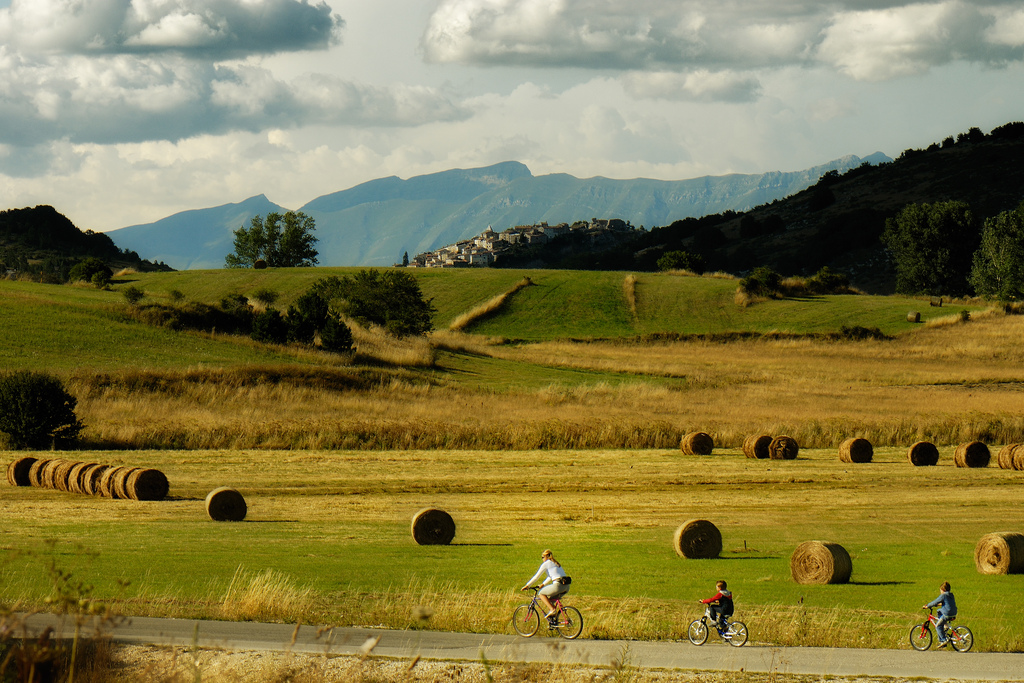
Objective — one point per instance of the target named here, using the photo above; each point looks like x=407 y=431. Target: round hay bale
x=49 y=473
x=756 y=446
x=1018 y=458
x=697 y=539
x=107 y=486
x=820 y=562
x=923 y=454
x=1000 y=553
x=914 y=317
x=121 y=482
x=431 y=526
x=91 y=477
x=17 y=471
x=856 y=450
x=1005 y=457
x=62 y=474
x=35 y=473
x=971 y=454
x=783 y=448
x=75 y=477
x=147 y=484
x=697 y=443
x=225 y=505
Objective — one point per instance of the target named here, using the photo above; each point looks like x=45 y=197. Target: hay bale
x=147 y=484
x=923 y=454
x=1018 y=458
x=107 y=486
x=35 y=473
x=225 y=505
x=820 y=562
x=856 y=450
x=783 y=448
x=756 y=446
x=971 y=454
x=121 y=482
x=1005 y=457
x=17 y=471
x=62 y=475
x=75 y=477
x=1000 y=553
x=48 y=475
x=914 y=317
x=431 y=526
x=697 y=443
x=697 y=539
x=91 y=477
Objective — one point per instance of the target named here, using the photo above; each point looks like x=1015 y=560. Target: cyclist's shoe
x=553 y=621
x=942 y=644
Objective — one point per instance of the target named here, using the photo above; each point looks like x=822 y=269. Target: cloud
x=696 y=86
x=207 y=28
x=127 y=98
x=865 y=40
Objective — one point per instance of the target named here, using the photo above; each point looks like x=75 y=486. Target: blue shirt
x=948 y=603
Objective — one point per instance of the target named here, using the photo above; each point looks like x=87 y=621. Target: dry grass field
x=948 y=384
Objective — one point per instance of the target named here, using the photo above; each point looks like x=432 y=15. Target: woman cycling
x=555 y=585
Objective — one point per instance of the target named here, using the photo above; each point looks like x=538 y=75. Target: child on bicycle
x=555 y=585
x=721 y=605
x=947 y=610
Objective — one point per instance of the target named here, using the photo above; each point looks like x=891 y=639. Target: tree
x=405 y=259
x=931 y=247
x=281 y=241
x=306 y=317
x=390 y=298
x=998 y=269
x=36 y=411
x=269 y=327
x=88 y=269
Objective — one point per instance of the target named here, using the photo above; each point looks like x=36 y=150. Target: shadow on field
x=879 y=583
x=508 y=545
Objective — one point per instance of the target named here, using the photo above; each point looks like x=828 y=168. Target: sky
x=120 y=112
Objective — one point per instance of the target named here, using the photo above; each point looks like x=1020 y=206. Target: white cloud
x=211 y=28
x=126 y=98
x=877 y=40
x=696 y=86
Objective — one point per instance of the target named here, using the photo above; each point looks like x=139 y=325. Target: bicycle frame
x=555 y=602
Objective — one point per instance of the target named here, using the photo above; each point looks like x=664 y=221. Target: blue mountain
x=374 y=223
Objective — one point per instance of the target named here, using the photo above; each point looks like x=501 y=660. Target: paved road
x=940 y=665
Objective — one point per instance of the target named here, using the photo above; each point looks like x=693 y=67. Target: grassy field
x=566 y=438
x=332 y=528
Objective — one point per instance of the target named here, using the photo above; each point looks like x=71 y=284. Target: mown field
x=327 y=540
x=551 y=423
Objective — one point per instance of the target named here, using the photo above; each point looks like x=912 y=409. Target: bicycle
x=960 y=637
x=734 y=633
x=567 y=621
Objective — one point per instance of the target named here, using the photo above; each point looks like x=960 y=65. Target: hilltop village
x=489 y=246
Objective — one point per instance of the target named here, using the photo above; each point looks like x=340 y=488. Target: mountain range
x=375 y=223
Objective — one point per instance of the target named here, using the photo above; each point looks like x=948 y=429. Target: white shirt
x=553 y=571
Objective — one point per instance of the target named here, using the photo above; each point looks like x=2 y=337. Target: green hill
x=559 y=304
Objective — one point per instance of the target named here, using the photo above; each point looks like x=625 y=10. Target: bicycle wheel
x=698 y=632
x=920 y=637
x=961 y=638
x=736 y=634
x=570 y=623
x=525 y=620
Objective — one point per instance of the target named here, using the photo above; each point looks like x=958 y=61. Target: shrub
x=306 y=317
x=176 y=296
x=133 y=294
x=270 y=327
x=682 y=260
x=762 y=282
x=828 y=282
x=335 y=335
x=36 y=411
x=391 y=299
x=265 y=296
